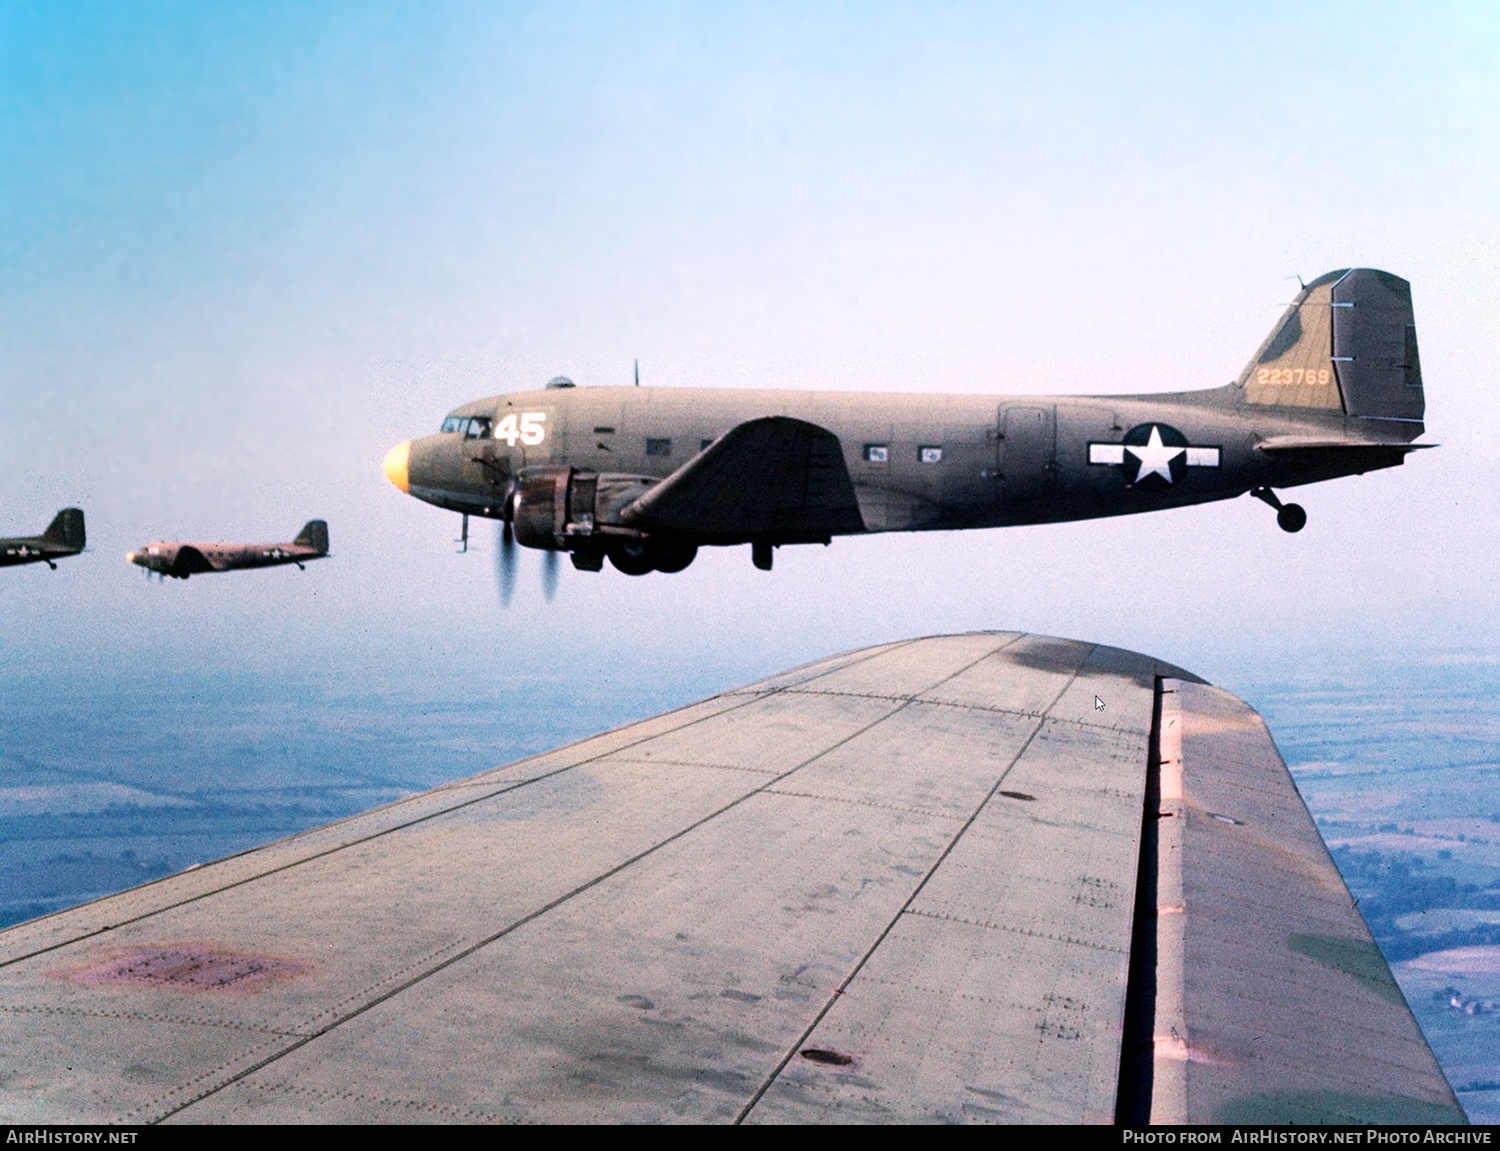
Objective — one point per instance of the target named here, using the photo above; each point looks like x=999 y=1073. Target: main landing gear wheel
x=633 y=557
x=1289 y=517
x=637 y=557
x=672 y=558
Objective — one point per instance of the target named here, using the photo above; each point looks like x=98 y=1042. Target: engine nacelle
x=553 y=505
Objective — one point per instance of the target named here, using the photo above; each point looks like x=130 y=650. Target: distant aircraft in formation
x=181 y=560
x=63 y=538
x=645 y=477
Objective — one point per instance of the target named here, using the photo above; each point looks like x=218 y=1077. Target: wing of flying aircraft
x=768 y=475
x=987 y=877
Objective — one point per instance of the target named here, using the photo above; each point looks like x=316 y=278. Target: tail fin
x=66 y=529
x=1348 y=342
x=314 y=534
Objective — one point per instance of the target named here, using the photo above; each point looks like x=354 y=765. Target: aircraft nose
x=132 y=557
x=396 y=461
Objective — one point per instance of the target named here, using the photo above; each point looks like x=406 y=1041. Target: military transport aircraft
x=63 y=538
x=646 y=476
x=181 y=560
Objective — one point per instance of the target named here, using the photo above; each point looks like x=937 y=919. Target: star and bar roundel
x=1153 y=457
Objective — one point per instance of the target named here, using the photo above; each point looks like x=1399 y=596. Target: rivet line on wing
x=931 y=871
x=539 y=912
x=72 y=939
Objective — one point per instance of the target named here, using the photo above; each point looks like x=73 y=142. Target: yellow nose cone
x=395 y=465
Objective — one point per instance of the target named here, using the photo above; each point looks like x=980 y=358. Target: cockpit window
x=472 y=427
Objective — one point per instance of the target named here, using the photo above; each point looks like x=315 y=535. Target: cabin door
x=1028 y=452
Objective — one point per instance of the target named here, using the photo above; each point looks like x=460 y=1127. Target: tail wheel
x=1291 y=518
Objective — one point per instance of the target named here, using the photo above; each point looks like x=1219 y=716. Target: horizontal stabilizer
x=1311 y=444
x=776 y=476
x=314 y=534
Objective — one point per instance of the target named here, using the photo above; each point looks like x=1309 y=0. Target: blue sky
x=246 y=249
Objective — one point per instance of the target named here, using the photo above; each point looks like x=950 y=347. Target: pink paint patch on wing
x=186 y=966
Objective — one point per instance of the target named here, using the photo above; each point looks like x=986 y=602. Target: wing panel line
x=956 y=706
x=488 y=795
x=615 y=870
x=895 y=919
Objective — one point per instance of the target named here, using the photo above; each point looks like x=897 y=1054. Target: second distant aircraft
x=181 y=560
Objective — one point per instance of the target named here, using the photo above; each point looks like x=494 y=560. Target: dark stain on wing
x=186 y=967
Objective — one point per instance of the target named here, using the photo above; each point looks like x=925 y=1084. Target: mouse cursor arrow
x=1098 y=704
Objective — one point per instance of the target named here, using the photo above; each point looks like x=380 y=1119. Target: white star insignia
x=1156 y=458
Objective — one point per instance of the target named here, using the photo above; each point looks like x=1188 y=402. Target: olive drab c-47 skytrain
x=645 y=477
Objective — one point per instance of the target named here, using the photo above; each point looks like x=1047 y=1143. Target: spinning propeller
x=505 y=563
x=507 y=555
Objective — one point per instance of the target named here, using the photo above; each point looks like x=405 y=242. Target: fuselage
x=32 y=549
x=181 y=559
x=646 y=476
x=918 y=462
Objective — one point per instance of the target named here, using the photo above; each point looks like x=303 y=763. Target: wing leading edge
x=905 y=883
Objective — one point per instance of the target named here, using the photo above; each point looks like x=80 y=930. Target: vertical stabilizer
x=1347 y=343
x=314 y=534
x=1294 y=367
x=66 y=529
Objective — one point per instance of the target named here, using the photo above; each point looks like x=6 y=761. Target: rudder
x=66 y=529
x=1375 y=347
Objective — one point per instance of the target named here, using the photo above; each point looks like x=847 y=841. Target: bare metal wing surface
x=989 y=877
